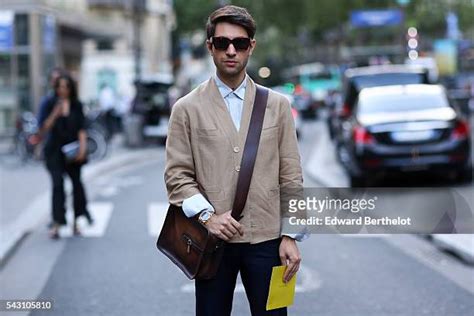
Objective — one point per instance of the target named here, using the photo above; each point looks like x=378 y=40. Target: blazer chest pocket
x=207 y=132
x=270 y=131
x=210 y=153
x=210 y=142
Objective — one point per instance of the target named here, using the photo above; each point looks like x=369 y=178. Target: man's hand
x=290 y=257
x=224 y=226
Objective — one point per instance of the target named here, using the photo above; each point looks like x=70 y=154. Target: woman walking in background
x=61 y=121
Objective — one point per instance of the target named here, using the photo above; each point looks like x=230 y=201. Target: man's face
x=230 y=62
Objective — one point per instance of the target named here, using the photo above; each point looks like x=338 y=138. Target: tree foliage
x=290 y=18
x=285 y=28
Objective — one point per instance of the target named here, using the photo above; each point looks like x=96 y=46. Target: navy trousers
x=254 y=261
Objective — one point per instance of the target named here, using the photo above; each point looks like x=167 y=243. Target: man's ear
x=209 y=46
x=253 y=44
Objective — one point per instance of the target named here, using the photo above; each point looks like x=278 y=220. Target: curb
x=461 y=244
x=38 y=210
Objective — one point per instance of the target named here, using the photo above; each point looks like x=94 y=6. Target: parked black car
x=149 y=111
x=404 y=128
x=356 y=79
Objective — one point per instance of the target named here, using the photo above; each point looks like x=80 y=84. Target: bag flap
x=183 y=240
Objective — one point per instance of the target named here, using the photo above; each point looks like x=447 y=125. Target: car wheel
x=358 y=181
x=464 y=175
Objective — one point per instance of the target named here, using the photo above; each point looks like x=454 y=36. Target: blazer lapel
x=219 y=109
x=221 y=113
x=247 y=111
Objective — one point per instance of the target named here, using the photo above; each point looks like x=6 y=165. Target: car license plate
x=414 y=167
x=414 y=136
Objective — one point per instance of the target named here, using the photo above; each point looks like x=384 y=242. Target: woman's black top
x=65 y=129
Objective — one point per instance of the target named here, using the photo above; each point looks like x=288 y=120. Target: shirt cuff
x=195 y=204
x=297 y=237
x=300 y=235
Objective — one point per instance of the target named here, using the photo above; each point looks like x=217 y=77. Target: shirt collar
x=225 y=90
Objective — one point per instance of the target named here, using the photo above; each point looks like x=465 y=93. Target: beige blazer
x=204 y=150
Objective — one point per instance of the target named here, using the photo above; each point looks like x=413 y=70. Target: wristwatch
x=205 y=216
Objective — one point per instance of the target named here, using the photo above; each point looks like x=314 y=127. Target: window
x=104 y=45
x=24 y=82
x=5 y=72
x=21 y=29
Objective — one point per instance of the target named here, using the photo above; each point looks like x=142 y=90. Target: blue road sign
x=6 y=30
x=368 y=18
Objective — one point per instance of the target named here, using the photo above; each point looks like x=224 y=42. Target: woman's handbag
x=71 y=151
x=188 y=243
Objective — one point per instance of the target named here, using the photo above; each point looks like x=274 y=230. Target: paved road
x=115 y=268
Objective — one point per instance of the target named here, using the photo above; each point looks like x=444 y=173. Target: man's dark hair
x=233 y=15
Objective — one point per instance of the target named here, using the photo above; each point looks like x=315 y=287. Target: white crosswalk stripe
x=156 y=217
x=307 y=280
x=365 y=235
x=100 y=212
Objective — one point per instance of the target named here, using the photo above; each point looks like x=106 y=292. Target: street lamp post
x=137 y=8
x=403 y=4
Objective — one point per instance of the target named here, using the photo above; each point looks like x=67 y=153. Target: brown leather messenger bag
x=188 y=243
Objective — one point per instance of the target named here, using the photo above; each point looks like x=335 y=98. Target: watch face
x=205 y=216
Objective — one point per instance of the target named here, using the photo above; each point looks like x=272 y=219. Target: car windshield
x=388 y=79
x=382 y=103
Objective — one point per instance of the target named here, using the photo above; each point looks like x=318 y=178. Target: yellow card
x=280 y=294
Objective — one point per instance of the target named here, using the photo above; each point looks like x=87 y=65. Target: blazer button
x=236 y=149
x=237 y=168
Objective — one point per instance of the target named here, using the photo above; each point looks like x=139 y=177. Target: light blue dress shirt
x=234 y=100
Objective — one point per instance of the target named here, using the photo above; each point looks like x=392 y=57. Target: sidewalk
x=25 y=198
x=461 y=244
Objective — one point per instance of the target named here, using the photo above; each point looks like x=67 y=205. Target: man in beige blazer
x=207 y=133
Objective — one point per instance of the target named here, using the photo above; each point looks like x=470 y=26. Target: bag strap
x=250 y=152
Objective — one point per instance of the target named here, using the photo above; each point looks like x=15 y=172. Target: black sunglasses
x=222 y=43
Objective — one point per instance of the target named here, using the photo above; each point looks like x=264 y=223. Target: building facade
x=93 y=40
x=146 y=27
